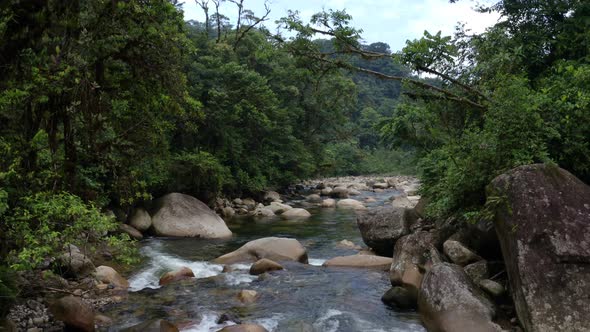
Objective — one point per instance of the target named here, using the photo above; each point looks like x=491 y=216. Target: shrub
x=44 y=222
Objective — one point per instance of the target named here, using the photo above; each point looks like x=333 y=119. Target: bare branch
x=446 y=93
x=241 y=34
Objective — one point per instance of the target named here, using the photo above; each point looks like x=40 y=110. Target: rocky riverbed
x=342 y=254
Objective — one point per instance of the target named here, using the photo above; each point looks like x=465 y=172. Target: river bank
x=321 y=234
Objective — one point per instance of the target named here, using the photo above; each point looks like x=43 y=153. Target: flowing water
x=300 y=298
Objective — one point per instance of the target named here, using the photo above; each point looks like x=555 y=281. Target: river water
x=300 y=298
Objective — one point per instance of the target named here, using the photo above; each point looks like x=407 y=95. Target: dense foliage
x=514 y=95
x=106 y=104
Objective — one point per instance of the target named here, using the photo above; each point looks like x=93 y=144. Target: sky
x=389 y=21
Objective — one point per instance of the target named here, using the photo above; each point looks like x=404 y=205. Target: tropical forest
x=251 y=165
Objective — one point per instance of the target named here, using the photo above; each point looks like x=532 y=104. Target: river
x=300 y=298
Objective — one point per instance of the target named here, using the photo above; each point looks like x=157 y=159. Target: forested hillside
x=108 y=104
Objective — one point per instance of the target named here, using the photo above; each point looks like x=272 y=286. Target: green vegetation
x=106 y=104
x=515 y=95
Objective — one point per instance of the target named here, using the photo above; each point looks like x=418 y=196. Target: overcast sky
x=389 y=21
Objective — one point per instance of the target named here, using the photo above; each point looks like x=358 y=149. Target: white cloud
x=390 y=21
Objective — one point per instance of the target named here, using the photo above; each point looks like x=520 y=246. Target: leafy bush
x=44 y=222
x=8 y=290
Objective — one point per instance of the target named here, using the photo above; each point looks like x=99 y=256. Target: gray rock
x=491 y=287
x=108 y=275
x=131 y=231
x=296 y=213
x=413 y=255
x=228 y=212
x=75 y=263
x=542 y=221
x=381 y=227
x=185 y=216
x=264 y=265
x=449 y=301
x=360 y=261
x=339 y=192
x=140 y=219
x=273 y=248
x=380 y=185
x=271 y=196
x=314 y=198
x=326 y=191
x=350 y=204
x=477 y=271
x=278 y=208
x=328 y=203
x=458 y=253
x=76 y=314
x=400 y=298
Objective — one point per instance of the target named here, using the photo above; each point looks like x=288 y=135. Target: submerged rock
x=273 y=248
x=543 y=224
x=264 y=265
x=296 y=213
x=400 y=298
x=247 y=296
x=244 y=328
x=185 y=216
x=173 y=276
x=154 y=325
x=360 y=261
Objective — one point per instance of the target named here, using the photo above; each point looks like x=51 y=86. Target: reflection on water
x=299 y=298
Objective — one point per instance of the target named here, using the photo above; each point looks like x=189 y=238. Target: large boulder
x=76 y=314
x=109 y=276
x=360 y=261
x=273 y=248
x=185 y=216
x=382 y=227
x=140 y=219
x=448 y=301
x=296 y=213
x=74 y=263
x=413 y=255
x=543 y=224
